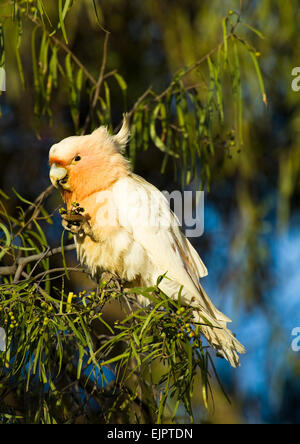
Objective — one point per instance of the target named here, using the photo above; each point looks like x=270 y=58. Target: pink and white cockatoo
x=129 y=230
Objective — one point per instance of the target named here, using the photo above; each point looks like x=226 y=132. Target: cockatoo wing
x=145 y=213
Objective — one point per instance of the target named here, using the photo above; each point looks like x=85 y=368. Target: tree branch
x=23 y=261
x=98 y=84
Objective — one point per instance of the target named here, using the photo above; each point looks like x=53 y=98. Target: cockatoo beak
x=59 y=176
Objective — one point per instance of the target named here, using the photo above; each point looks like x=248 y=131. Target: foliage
x=187 y=122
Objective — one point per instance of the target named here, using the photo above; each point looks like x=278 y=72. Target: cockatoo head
x=82 y=165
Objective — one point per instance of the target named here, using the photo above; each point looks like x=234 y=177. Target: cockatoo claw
x=73 y=222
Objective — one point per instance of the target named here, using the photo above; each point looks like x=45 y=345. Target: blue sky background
x=267 y=336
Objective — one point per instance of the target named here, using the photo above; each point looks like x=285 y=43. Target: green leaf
x=256 y=31
x=217 y=70
x=53 y=65
x=36 y=80
x=260 y=77
x=80 y=360
x=115 y=359
x=4 y=248
x=18 y=55
x=42 y=10
x=4 y=195
x=62 y=13
x=2 y=47
x=154 y=136
x=121 y=81
x=225 y=38
x=123 y=86
x=239 y=106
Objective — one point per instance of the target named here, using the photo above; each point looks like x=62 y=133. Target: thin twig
x=9 y=270
x=37 y=287
x=58 y=270
x=35 y=257
x=98 y=84
x=137 y=103
x=36 y=206
x=18 y=273
x=101 y=74
x=39 y=260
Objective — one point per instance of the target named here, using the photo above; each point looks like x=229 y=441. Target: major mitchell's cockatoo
x=129 y=229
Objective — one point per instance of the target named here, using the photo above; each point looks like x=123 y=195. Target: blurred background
x=251 y=242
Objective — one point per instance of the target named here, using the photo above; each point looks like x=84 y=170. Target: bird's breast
x=112 y=247
x=118 y=253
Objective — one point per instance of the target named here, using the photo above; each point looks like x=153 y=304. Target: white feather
x=144 y=213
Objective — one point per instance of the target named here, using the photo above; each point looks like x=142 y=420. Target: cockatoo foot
x=75 y=223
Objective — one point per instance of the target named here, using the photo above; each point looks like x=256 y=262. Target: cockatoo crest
x=120 y=139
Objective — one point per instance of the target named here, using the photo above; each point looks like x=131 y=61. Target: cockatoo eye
x=77 y=158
